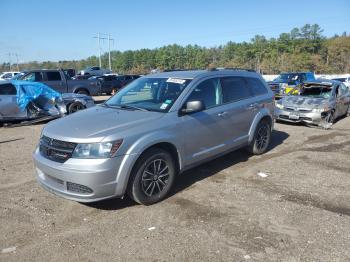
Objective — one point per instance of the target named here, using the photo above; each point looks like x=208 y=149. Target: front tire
x=152 y=177
x=74 y=107
x=261 y=139
x=330 y=117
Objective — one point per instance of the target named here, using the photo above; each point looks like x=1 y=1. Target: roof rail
x=187 y=69
x=231 y=68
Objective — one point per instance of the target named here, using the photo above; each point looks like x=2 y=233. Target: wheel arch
x=136 y=151
x=262 y=115
x=81 y=88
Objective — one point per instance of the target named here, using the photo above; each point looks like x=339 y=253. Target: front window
x=152 y=94
x=34 y=76
x=287 y=78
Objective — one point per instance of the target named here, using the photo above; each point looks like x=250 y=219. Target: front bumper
x=297 y=117
x=83 y=180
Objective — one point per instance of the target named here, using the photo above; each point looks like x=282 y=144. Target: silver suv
x=154 y=128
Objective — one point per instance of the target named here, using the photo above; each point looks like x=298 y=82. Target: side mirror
x=192 y=107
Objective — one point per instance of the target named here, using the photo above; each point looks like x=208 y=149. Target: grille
x=73 y=187
x=301 y=110
x=56 y=150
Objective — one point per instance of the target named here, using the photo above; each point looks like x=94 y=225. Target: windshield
x=153 y=94
x=317 y=91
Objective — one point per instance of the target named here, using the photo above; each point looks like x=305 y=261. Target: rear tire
x=83 y=92
x=261 y=139
x=152 y=177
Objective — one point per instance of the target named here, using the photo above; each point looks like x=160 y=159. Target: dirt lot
x=220 y=211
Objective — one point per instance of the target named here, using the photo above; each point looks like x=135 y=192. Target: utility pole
x=99 y=38
x=109 y=52
x=9 y=54
x=17 y=61
x=99 y=47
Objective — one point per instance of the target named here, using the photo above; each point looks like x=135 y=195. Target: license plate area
x=294 y=116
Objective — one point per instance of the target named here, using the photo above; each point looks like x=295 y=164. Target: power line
x=99 y=38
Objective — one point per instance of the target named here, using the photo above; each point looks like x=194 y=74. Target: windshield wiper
x=133 y=107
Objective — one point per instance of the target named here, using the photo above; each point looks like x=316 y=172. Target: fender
x=260 y=115
x=135 y=151
x=77 y=87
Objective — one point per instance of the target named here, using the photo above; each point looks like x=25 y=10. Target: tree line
x=302 y=49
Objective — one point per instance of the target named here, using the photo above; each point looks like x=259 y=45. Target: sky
x=64 y=29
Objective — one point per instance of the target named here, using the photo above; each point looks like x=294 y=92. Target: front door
x=204 y=132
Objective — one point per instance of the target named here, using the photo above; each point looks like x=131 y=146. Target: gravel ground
x=219 y=211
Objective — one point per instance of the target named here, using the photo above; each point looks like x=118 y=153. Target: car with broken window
x=22 y=100
x=151 y=130
x=318 y=102
x=286 y=82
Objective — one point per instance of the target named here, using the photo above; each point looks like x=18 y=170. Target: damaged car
x=318 y=102
x=23 y=100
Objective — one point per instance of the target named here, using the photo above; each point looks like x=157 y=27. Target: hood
x=303 y=102
x=73 y=95
x=94 y=124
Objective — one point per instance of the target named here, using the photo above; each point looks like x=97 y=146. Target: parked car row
x=162 y=124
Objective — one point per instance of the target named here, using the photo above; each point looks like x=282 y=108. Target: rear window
x=234 y=89
x=8 y=89
x=53 y=76
x=256 y=86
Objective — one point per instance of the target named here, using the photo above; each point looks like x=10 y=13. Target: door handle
x=253 y=106
x=222 y=114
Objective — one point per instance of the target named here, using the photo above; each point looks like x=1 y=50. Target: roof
x=191 y=74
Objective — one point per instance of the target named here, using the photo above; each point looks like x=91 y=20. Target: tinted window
x=8 y=89
x=95 y=68
x=53 y=76
x=34 y=76
x=256 y=86
x=208 y=92
x=234 y=89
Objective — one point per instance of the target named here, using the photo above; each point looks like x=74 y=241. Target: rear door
x=239 y=109
x=8 y=101
x=55 y=80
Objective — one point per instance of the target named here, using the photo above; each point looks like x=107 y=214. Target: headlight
x=280 y=106
x=97 y=150
x=320 y=110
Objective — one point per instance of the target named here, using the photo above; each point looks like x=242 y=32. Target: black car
x=112 y=83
